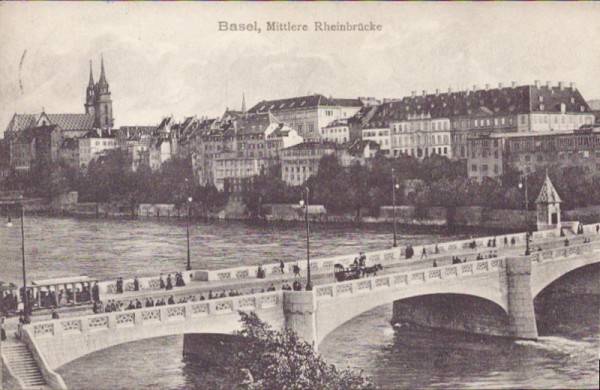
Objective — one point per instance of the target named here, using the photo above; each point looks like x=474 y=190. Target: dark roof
x=65 y=121
x=346 y=102
x=20 y=122
x=315 y=145
x=311 y=101
x=98 y=133
x=488 y=102
x=253 y=123
x=338 y=122
x=357 y=147
x=72 y=121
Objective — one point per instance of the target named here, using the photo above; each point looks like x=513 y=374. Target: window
x=474 y=167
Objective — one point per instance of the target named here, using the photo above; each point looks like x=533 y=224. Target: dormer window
x=582 y=108
x=541 y=99
x=572 y=100
x=541 y=107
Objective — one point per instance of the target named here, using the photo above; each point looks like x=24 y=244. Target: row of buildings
x=526 y=127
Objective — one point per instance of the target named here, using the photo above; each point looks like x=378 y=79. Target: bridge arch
x=546 y=273
x=333 y=312
x=62 y=341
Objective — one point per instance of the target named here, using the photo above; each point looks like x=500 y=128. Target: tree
x=281 y=360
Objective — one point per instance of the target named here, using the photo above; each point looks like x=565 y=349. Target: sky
x=171 y=59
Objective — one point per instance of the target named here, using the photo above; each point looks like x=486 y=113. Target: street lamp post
x=394 y=186
x=25 y=297
x=527 y=251
x=304 y=203
x=189 y=264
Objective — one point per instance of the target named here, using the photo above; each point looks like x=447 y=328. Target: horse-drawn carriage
x=342 y=274
x=354 y=272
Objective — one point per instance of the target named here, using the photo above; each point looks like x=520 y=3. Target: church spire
x=243 y=103
x=91 y=83
x=102 y=75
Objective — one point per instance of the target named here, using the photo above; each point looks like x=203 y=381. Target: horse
x=372 y=270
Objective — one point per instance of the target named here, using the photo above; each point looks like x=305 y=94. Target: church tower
x=90 y=95
x=102 y=102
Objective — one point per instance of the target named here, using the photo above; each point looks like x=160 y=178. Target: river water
x=565 y=356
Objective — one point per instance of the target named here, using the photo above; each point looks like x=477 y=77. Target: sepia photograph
x=299 y=195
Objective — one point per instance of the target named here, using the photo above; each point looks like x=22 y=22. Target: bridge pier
x=521 y=314
x=299 y=309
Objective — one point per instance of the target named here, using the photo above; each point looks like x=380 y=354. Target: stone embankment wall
x=472 y=216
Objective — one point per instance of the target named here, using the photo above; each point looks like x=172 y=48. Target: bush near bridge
x=274 y=359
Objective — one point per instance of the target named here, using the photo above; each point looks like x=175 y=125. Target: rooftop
x=302 y=102
x=483 y=102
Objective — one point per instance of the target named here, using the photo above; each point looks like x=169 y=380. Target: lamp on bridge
x=527 y=251
x=395 y=186
x=9 y=224
x=304 y=204
x=189 y=264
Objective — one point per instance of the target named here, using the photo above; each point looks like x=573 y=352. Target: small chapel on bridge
x=548 y=207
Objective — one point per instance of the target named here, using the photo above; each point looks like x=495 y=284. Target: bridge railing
x=564 y=252
x=383 y=256
x=409 y=278
x=153 y=315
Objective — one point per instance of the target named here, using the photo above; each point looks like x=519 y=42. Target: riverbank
x=472 y=217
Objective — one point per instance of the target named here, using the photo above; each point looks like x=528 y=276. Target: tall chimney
x=424 y=93
x=449 y=89
x=437 y=91
x=537 y=83
x=487 y=87
x=500 y=86
x=413 y=93
x=573 y=86
x=561 y=85
x=513 y=84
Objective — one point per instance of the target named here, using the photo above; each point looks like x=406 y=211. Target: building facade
x=491 y=155
x=299 y=162
x=309 y=115
x=94 y=144
x=441 y=123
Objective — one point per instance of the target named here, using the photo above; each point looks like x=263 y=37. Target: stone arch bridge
x=499 y=293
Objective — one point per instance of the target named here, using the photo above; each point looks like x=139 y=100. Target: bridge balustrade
x=154 y=315
x=390 y=255
x=564 y=252
x=406 y=279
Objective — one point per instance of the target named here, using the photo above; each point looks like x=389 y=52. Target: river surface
x=565 y=356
